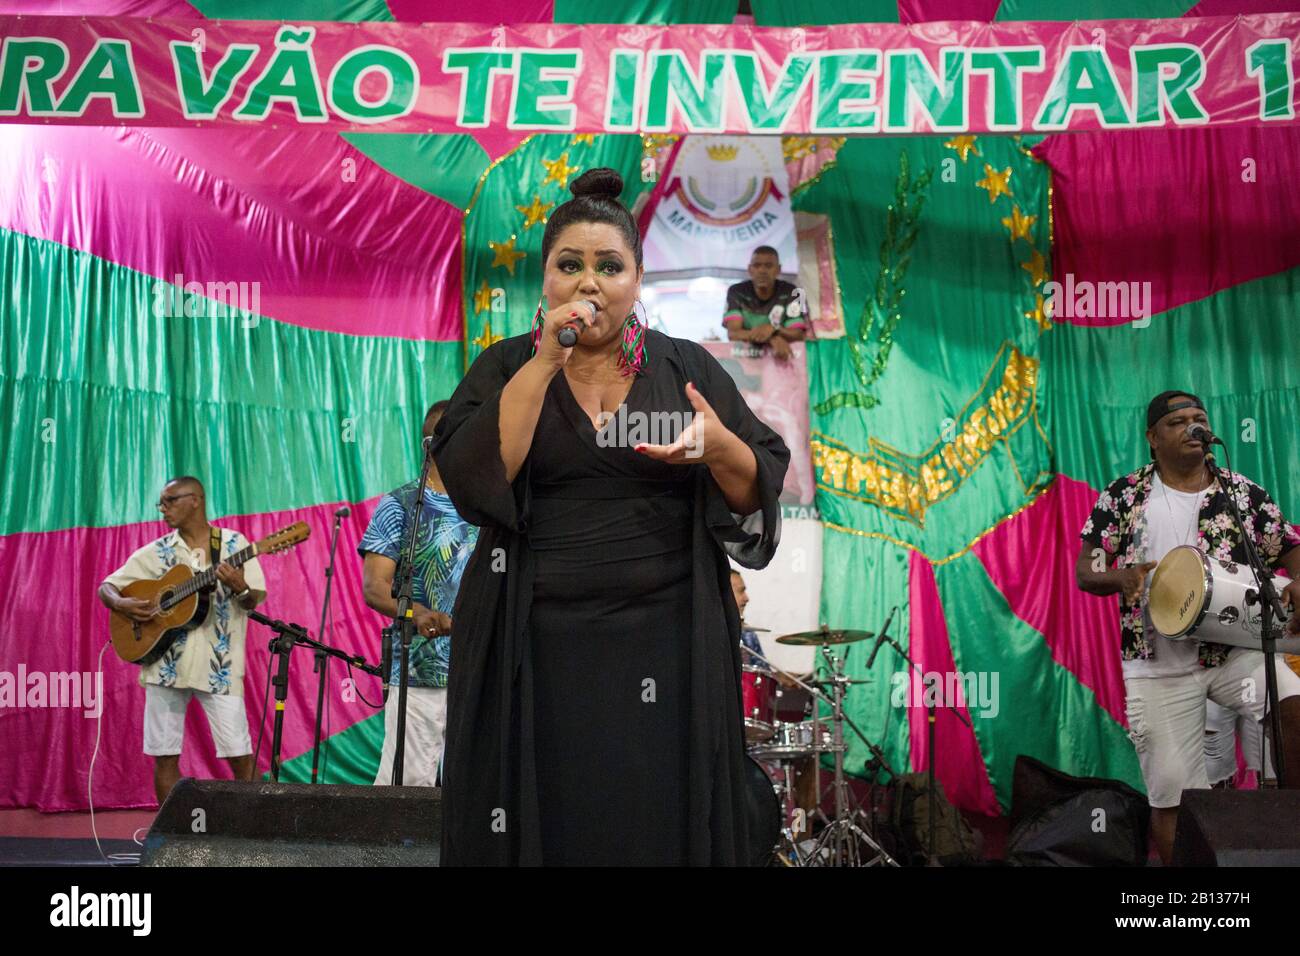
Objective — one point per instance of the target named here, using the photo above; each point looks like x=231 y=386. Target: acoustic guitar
x=183 y=598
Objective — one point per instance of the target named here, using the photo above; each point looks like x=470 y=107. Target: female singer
x=593 y=709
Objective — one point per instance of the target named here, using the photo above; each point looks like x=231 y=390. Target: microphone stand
x=405 y=617
x=1270 y=604
x=287 y=637
x=321 y=665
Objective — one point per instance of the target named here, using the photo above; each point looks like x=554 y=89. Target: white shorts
x=426 y=722
x=1223 y=728
x=1166 y=718
x=164 y=721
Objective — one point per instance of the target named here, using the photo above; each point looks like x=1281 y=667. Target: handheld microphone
x=568 y=336
x=880 y=638
x=1198 y=432
x=343 y=512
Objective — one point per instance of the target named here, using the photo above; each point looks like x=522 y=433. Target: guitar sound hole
x=165 y=600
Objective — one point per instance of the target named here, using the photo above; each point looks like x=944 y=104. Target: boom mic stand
x=405 y=617
x=287 y=637
x=1269 y=606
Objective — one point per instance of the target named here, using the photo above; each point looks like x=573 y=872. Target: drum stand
x=842 y=836
x=1270 y=607
x=839 y=842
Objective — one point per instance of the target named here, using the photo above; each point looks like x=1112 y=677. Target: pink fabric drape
x=1030 y=559
x=335 y=242
x=58 y=626
x=480 y=11
x=1191 y=221
x=959 y=766
x=921 y=11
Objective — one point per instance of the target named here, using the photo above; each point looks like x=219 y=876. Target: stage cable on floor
x=111 y=859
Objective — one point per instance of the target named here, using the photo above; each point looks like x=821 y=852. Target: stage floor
x=32 y=838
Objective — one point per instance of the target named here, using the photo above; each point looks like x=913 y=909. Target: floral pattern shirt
x=210 y=656
x=1117 y=525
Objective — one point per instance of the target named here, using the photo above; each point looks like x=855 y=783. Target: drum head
x=1178 y=591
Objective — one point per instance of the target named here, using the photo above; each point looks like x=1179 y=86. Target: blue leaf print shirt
x=443 y=549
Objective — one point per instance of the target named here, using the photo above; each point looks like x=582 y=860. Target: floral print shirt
x=210 y=656
x=1117 y=526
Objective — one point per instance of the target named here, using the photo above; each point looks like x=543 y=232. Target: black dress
x=593 y=710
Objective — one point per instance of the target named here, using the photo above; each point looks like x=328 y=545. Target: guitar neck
x=208 y=578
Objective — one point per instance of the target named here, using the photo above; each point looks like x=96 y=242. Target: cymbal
x=751 y=627
x=825 y=635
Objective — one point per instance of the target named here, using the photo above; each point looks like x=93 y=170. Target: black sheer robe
x=594 y=708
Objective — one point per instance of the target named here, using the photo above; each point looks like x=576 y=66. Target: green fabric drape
x=1243 y=367
x=806 y=13
x=1090 y=9
x=1042 y=711
x=106 y=399
x=962 y=299
x=350 y=11
x=445 y=165
x=656 y=12
x=347 y=756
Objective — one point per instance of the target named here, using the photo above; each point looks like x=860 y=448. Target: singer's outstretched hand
x=701 y=442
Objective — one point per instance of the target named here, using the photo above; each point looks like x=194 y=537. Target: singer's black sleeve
x=750 y=540
x=467 y=442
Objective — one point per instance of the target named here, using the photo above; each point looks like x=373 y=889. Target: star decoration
x=535 y=212
x=1019 y=224
x=1036 y=267
x=505 y=254
x=964 y=145
x=588 y=139
x=1039 y=314
x=995 y=182
x=483 y=298
x=559 y=170
x=488 y=337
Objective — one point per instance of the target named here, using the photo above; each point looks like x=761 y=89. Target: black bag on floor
x=955 y=843
x=1060 y=820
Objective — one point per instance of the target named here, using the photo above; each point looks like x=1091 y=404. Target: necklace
x=1196 y=513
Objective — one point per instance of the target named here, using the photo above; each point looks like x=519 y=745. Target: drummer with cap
x=1137 y=520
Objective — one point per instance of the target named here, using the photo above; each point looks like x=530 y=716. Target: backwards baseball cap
x=1163 y=404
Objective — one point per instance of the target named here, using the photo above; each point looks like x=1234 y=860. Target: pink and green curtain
x=961 y=434
x=385 y=263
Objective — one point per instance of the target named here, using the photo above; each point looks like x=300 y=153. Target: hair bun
x=599 y=183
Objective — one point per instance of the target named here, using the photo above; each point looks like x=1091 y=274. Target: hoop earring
x=633 y=357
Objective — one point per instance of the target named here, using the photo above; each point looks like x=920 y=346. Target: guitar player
x=207 y=662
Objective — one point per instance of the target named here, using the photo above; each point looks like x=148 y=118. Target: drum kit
x=789 y=753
